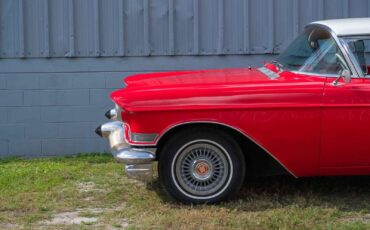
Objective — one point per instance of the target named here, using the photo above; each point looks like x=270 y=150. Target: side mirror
x=345 y=74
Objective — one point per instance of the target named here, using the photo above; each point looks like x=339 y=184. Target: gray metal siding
x=54 y=90
x=114 y=28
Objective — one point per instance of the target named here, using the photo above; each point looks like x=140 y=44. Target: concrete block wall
x=51 y=107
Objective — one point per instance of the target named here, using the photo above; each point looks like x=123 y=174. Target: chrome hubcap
x=201 y=169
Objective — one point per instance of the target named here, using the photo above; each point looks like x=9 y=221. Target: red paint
x=310 y=126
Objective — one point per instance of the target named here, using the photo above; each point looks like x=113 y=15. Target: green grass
x=34 y=191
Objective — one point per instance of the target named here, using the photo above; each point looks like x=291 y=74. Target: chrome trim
x=114 y=131
x=343 y=48
x=142 y=172
x=111 y=114
x=118 y=112
x=329 y=75
x=270 y=74
x=133 y=156
x=139 y=161
x=229 y=126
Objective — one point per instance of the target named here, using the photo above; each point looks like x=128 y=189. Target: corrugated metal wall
x=91 y=28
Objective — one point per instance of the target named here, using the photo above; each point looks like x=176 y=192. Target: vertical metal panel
x=9 y=28
x=346 y=8
x=71 y=30
x=208 y=27
x=134 y=22
x=171 y=27
x=92 y=28
x=146 y=28
x=271 y=26
x=110 y=30
x=220 y=42
x=21 y=50
x=46 y=51
x=260 y=29
x=235 y=26
x=121 y=28
x=246 y=27
x=196 y=26
x=295 y=17
x=183 y=27
x=96 y=28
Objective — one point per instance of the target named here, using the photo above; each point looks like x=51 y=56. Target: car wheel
x=198 y=166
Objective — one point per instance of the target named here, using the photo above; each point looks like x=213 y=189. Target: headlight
x=114 y=114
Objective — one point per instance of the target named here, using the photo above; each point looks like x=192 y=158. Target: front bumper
x=138 y=161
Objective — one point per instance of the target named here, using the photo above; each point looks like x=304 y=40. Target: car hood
x=195 y=78
x=206 y=89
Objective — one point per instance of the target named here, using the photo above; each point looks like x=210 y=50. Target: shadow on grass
x=344 y=193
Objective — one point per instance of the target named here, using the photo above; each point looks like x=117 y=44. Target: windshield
x=314 y=51
x=360 y=49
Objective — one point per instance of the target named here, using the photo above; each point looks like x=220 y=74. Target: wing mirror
x=345 y=74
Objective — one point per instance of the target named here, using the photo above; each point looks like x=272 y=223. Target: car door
x=346 y=128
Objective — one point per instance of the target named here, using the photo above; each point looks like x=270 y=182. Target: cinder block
x=73 y=146
x=41 y=130
x=4 y=148
x=25 y=147
x=11 y=131
x=73 y=97
x=72 y=113
x=11 y=98
x=22 y=81
x=23 y=114
x=74 y=130
x=4 y=114
x=2 y=82
x=72 y=81
x=100 y=97
x=40 y=97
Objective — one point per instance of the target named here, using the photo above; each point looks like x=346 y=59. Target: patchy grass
x=91 y=191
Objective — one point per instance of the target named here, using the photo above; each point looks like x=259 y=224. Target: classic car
x=306 y=113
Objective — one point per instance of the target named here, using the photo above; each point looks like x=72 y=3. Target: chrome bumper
x=138 y=161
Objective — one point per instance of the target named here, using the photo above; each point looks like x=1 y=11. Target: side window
x=360 y=49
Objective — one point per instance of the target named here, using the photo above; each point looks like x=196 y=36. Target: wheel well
x=258 y=161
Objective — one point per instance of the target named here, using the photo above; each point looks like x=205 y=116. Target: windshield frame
x=354 y=68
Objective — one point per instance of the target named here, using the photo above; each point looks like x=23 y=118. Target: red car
x=306 y=114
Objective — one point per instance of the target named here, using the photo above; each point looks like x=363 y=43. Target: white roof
x=348 y=26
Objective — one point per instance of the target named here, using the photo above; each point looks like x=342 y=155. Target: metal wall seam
x=46 y=51
x=295 y=18
x=171 y=25
x=196 y=27
x=220 y=42
x=97 y=28
x=71 y=29
x=321 y=9
x=146 y=28
x=121 y=28
x=271 y=26
x=345 y=8
x=21 y=29
x=246 y=29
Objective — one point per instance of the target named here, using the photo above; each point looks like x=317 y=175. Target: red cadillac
x=306 y=114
